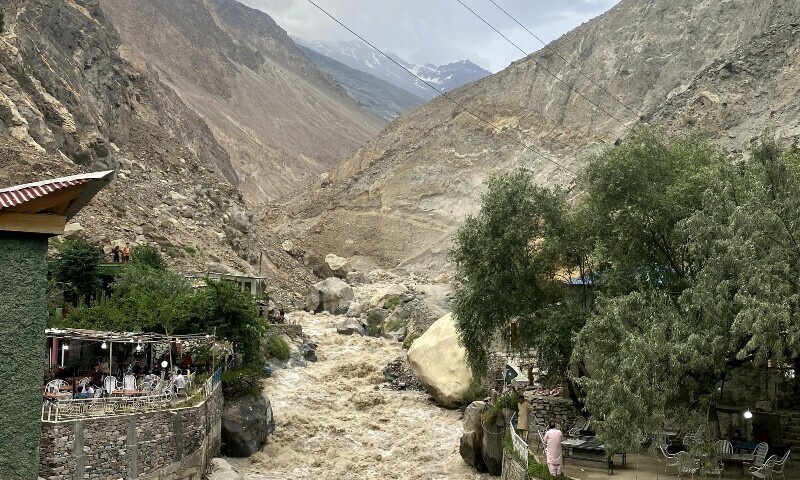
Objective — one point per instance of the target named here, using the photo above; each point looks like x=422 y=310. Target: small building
x=256 y=286
x=29 y=215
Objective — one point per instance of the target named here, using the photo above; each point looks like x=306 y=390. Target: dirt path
x=331 y=422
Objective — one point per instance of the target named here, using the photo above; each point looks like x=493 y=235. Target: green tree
x=657 y=352
x=637 y=196
x=153 y=300
x=507 y=257
x=233 y=314
x=78 y=269
x=148 y=256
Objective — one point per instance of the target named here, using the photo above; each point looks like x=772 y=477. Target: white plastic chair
x=670 y=459
x=110 y=384
x=577 y=426
x=760 y=453
x=764 y=470
x=780 y=464
x=724 y=447
x=129 y=382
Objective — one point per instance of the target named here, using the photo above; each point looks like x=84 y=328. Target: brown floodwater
x=332 y=422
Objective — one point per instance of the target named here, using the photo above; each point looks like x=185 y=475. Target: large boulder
x=356 y=278
x=351 y=326
x=317 y=265
x=470 y=446
x=440 y=363
x=492 y=448
x=246 y=423
x=338 y=265
x=335 y=295
x=356 y=309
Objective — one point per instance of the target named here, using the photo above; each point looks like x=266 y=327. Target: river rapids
x=335 y=420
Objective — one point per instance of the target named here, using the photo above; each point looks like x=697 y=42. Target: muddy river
x=334 y=420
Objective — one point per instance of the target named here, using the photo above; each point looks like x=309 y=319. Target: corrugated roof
x=14 y=196
x=91 y=182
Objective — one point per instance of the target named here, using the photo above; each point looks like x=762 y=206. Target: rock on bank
x=440 y=363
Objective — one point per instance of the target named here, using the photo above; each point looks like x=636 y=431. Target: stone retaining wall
x=513 y=469
x=169 y=444
x=556 y=409
x=284 y=329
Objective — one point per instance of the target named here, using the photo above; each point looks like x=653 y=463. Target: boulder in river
x=246 y=423
x=335 y=295
x=492 y=448
x=351 y=326
x=387 y=294
x=440 y=363
x=470 y=446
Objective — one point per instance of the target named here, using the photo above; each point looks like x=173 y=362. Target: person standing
x=126 y=252
x=115 y=252
x=552 y=440
x=523 y=412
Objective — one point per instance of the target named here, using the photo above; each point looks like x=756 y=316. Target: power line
x=545 y=68
x=445 y=95
x=548 y=47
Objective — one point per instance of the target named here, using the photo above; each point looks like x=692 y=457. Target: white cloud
x=436 y=31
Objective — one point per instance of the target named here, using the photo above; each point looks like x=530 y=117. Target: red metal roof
x=88 y=183
x=17 y=195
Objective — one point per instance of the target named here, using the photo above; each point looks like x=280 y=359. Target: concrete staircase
x=790 y=421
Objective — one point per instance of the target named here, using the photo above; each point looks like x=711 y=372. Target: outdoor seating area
x=107 y=373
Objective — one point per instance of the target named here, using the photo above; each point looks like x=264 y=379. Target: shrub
x=79 y=269
x=278 y=348
x=148 y=256
x=409 y=340
x=241 y=382
x=374 y=322
x=393 y=303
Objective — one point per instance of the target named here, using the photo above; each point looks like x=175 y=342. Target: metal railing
x=520 y=446
x=75 y=408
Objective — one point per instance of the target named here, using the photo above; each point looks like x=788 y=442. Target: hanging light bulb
x=748 y=414
x=164 y=364
x=66 y=347
x=139 y=347
x=104 y=346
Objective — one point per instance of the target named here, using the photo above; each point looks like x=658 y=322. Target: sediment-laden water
x=334 y=421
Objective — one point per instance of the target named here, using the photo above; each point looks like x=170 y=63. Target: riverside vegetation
x=692 y=258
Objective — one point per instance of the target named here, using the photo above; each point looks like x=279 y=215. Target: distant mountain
x=361 y=57
x=378 y=96
x=280 y=119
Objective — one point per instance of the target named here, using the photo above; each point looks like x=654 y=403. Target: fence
x=520 y=447
x=75 y=408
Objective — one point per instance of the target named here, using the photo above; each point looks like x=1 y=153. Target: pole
x=110 y=357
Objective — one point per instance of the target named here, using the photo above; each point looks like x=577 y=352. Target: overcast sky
x=436 y=31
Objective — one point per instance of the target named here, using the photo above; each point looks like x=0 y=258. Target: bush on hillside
x=278 y=348
x=241 y=382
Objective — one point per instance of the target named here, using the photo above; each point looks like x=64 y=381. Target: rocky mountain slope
x=400 y=198
x=362 y=57
x=70 y=103
x=281 y=120
x=378 y=96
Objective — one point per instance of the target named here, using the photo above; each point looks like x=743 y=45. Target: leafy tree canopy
x=78 y=269
x=148 y=256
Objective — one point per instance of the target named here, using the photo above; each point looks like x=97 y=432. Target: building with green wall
x=29 y=215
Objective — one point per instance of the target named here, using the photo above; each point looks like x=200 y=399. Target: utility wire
x=528 y=55
x=445 y=95
x=548 y=47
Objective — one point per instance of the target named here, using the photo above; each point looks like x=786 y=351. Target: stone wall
x=513 y=469
x=23 y=313
x=291 y=331
x=556 y=409
x=170 y=444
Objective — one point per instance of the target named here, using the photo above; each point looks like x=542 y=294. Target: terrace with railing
x=163 y=396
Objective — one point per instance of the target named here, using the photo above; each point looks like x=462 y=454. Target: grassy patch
x=241 y=382
x=374 y=322
x=409 y=340
x=393 y=303
x=189 y=249
x=278 y=348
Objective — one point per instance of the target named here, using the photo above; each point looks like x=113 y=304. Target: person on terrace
x=552 y=439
